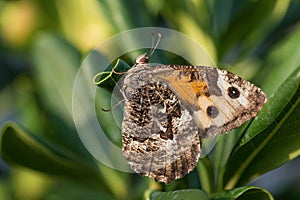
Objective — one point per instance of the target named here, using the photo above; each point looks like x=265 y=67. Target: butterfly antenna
x=114 y=107
x=153 y=48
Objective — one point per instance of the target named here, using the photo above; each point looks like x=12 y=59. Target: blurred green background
x=42 y=44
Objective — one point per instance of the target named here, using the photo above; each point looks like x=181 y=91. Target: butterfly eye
x=233 y=92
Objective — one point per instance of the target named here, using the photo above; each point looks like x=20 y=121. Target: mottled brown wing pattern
x=168 y=109
x=160 y=138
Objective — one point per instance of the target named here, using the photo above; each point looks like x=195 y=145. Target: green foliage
x=180 y=195
x=274 y=131
x=244 y=193
x=260 y=39
x=42 y=156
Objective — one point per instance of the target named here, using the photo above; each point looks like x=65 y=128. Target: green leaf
x=271 y=140
x=5 y=190
x=247 y=35
x=206 y=174
x=76 y=191
x=180 y=194
x=21 y=148
x=55 y=63
x=224 y=146
x=280 y=62
x=243 y=193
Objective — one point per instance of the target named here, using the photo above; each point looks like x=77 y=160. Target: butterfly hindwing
x=169 y=109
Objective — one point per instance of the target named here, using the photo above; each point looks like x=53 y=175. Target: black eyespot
x=212 y=111
x=233 y=92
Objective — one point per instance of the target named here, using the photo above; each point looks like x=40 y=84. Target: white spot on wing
x=243 y=101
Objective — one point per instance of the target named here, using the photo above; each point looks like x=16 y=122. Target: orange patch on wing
x=182 y=87
x=187 y=88
x=199 y=87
